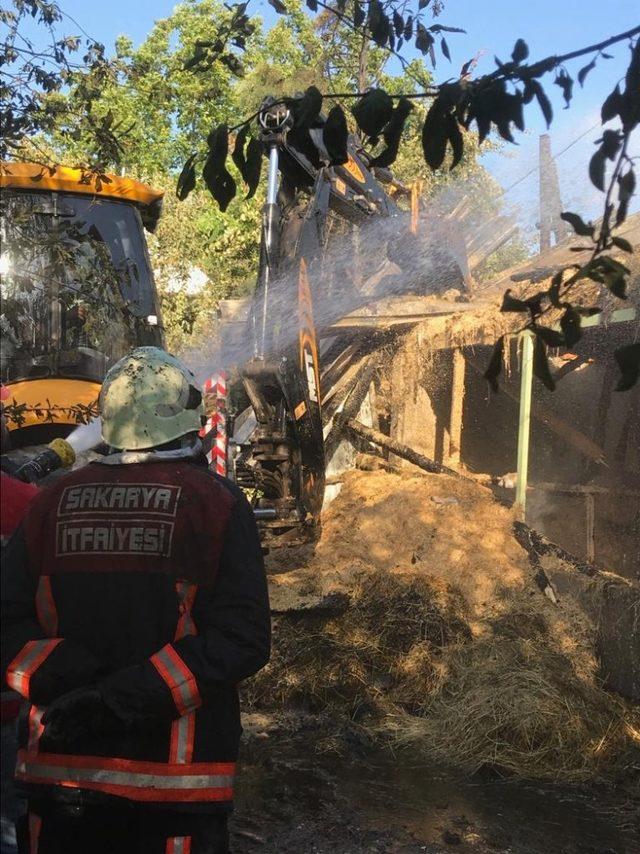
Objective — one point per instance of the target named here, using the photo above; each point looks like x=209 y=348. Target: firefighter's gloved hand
x=85 y=711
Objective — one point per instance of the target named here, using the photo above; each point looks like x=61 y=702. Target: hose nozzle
x=58 y=454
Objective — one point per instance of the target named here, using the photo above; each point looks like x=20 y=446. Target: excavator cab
x=77 y=292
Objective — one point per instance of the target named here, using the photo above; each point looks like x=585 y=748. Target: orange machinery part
x=30 y=176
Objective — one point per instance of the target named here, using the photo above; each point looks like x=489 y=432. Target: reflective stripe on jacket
x=149 y=580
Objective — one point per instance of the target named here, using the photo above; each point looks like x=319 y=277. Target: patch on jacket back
x=144 y=522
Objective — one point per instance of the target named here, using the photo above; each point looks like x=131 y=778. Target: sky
x=548 y=26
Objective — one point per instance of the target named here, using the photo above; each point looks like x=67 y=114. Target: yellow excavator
x=77 y=292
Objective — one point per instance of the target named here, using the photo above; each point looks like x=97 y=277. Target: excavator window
x=77 y=287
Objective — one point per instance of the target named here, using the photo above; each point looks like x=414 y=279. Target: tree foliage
x=207 y=63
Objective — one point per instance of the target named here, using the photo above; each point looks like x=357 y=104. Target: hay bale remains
x=445 y=645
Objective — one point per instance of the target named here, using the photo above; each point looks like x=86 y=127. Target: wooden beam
x=457 y=405
x=400 y=450
x=524 y=423
x=584 y=489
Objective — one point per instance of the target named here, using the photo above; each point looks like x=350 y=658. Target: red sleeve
x=15 y=497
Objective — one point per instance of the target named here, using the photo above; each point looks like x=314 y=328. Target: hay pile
x=417 y=616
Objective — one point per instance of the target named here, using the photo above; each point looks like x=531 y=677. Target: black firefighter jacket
x=147 y=579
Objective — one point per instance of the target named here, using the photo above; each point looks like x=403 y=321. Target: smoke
x=361 y=266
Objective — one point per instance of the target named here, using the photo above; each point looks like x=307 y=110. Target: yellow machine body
x=77 y=291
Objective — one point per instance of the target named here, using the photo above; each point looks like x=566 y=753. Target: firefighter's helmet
x=149 y=398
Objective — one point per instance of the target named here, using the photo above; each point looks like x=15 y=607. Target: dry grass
x=447 y=648
x=386 y=650
x=518 y=706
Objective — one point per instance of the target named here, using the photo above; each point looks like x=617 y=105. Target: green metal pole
x=524 y=422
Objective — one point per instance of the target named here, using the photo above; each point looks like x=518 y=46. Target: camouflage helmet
x=149 y=398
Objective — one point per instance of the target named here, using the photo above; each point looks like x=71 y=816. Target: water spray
x=61 y=453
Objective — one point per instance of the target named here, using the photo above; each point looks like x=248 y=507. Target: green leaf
x=373 y=111
x=628 y=359
x=312 y=5
x=565 y=82
x=520 y=51
x=220 y=183
x=187 y=178
x=611 y=142
x=532 y=88
x=392 y=134
x=494 y=368
x=408 y=28
x=254 y=166
x=578 y=224
x=440 y=28
x=218 y=141
x=623 y=244
x=195 y=60
x=582 y=74
x=218 y=180
x=435 y=135
x=424 y=39
x=279 y=6
x=398 y=23
x=335 y=134
x=454 y=135
x=445 y=49
x=597 y=169
x=237 y=154
x=626 y=184
x=422 y=4
x=570 y=325
x=541 y=364
x=358 y=14
x=307 y=109
x=378 y=23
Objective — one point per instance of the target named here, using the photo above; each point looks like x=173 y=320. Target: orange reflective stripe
x=46 y=607
x=26 y=662
x=129 y=778
x=35 y=825
x=36 y=728
x=183 y=730
x=186 y=593
x=180 y=680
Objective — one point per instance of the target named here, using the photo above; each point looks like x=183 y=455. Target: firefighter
x=134 y=600
x=15 y=498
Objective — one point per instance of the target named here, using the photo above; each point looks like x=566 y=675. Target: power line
x=555 y=157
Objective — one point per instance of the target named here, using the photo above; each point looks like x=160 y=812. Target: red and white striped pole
x=216 y=386
x=220 y=448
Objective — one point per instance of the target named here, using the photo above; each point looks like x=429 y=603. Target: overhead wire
x=554 y=157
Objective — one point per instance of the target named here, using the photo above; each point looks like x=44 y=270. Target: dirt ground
x=291 y=800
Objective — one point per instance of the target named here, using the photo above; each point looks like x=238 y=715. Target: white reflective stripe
x=185 y=686
x=180 y=844
x=25 y=664
x=123 y=778
x=180 y=740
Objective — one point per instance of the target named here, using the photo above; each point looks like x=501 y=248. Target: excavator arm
x=277 y=446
